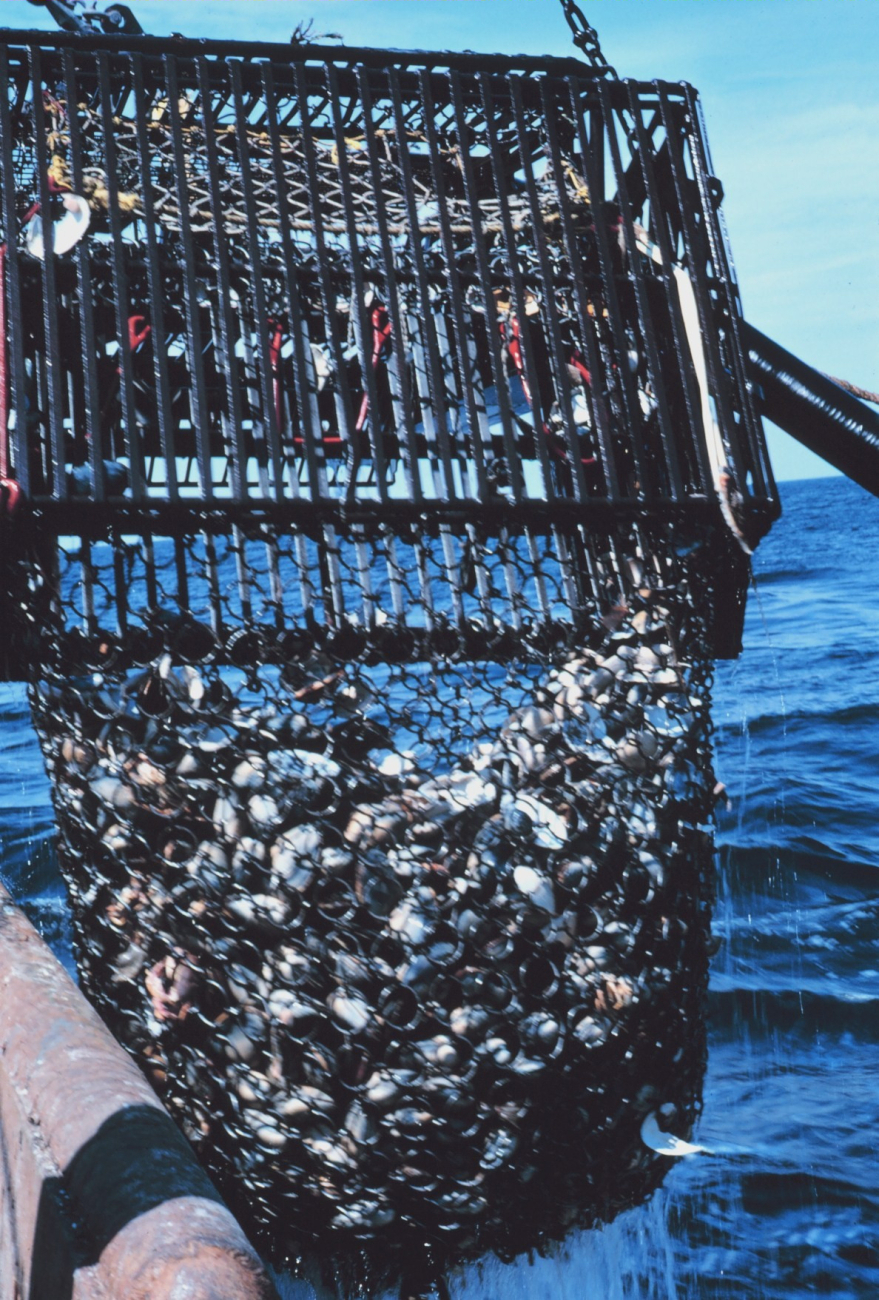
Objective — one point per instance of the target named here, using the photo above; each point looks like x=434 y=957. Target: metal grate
x=362 y=298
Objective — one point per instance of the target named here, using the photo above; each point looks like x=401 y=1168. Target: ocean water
x=786 y=1200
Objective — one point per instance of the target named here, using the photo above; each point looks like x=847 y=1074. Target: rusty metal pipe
x=100 y=1194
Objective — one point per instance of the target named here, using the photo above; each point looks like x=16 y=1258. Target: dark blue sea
x=787 y=1201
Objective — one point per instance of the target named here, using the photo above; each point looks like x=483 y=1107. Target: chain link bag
x=411 y=950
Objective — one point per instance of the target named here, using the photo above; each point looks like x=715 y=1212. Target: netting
x=411 y=949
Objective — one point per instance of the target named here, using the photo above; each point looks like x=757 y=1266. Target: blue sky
x=791 y=97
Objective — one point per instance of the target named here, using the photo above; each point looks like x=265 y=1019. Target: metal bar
x=122 y=307
x=12 y=287
x=672 y=467
x=697 y=257
x=598 y=407
x=396 y=363
x=498 y=366
x=328 y=551
x=423 y=385
x=589 y=151
x=280 y=54
x=437 y=385
x=87 y=581
x=155 y=280
x=361 y=323
x=465 y=351
x=269 y=411
x=761 y=468
x=91 y=394
x=182 y=574
x=149 y=561
x=195 y=344
x=500 y=180
x=242 y=571
x=303 y=362
x=224 y=337
x=52 y=351
x=651 y=189
x=167 y=518
x=549 y=317
x=361 y=331
x=344 y=413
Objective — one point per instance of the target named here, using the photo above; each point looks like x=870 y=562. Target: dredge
x=380 y=456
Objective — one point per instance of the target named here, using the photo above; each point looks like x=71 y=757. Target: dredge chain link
x=586 y=38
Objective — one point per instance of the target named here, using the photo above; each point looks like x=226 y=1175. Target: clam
x=536 y=887
x=250 y=773
x=550 y=830
x=351 y=1010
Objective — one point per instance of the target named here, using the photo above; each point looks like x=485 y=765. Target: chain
x=586 y=38
x=82 y=18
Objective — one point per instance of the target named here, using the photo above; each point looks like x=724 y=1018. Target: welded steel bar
x=493 y=336
x=396 y=362
x=334 y=601
x=636 y=278
x=341 y=394
x=303 y=363
x=437 y=384
x=149 y=565
x=592 y=152
x=85 y=304
x=549 y=314
x=215 y=601
x=14 y=341
x=269 y=409
x=465 y=61
x=51 y=349
x=761 y=468
x=120 y=581
x=121 y=301
x=363 y=324
x=194 y=336
x=225 y=316
x=87 y=582
x=698 y=255
x=465 y=350
x=359 y=314
x=551 y=107
x=659 y=224
x=501 y=182
x=433 y=406
x=156 y=282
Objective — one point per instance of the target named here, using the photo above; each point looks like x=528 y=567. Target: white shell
x=537 y=888
x=68 y=231
x=666 y=1144
x=550 y=830
x=350 y=1010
